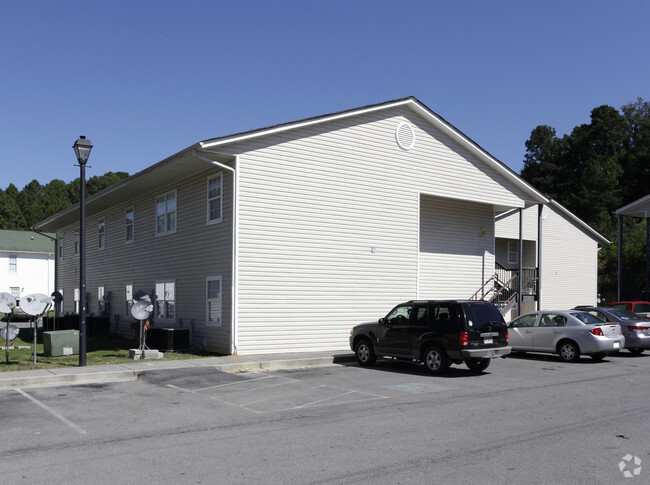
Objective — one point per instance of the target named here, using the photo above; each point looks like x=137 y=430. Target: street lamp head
x=82 y=149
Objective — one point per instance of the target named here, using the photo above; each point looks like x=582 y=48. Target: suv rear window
x=479 y=314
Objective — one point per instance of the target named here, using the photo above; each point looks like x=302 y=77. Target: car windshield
x=587 y=318
x=480 y=314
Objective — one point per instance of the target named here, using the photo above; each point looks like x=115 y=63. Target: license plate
x=487 y=340
x=617 y=345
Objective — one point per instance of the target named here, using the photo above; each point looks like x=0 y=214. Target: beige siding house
x=281 y=239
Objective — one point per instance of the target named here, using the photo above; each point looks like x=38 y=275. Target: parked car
x=639 y=307
x=636 y=329
x=437 y=333
x=567 y=333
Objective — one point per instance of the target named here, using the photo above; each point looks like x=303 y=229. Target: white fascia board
x=477 y=150
x=580 y=222
x=299 y=124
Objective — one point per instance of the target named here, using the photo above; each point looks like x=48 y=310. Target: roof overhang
x=156 y=177
x=638 y=208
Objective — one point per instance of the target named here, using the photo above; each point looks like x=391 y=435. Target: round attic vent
x=405 y=136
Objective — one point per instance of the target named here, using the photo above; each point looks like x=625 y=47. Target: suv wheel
x=569 y=351
x=365 y=353
x=436 y=361
x=478 y=365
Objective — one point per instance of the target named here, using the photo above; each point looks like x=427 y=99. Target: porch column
x=540 y=218
x=521 y=259
x=620 y=256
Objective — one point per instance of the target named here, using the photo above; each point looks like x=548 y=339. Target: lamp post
x=82 y=149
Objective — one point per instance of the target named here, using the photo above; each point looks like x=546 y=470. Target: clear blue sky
x=145 y=79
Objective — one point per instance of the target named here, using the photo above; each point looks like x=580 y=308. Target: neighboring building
x=26 y=263
x=283 y=238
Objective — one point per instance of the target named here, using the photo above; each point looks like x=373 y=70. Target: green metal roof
x=26 y=241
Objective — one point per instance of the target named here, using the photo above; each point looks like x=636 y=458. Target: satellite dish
x=57 y=297
x=35 y=304
x=12 y=330
x=7 y=303
x=141 y=310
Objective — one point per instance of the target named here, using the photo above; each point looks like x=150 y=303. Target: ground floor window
x=213 y=300
x=165 y=299
x=128 y=299
x=76 y=300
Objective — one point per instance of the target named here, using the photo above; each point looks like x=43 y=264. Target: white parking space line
x=52 y=412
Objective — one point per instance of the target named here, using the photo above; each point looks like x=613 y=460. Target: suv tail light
x=464 y=339
x=507 y=335
x=597 y=331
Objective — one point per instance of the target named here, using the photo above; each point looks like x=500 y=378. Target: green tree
x=30 y=200
x=11 y=217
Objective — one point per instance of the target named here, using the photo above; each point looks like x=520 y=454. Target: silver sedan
x=567 y=333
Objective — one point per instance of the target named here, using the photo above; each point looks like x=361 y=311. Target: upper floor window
x=213 y=300
x=13 y=264
x=15 y=292
x=101 y=233
x=166 y=213
x=76 y=242
x=513 y=252
x=129 y=225
x=214 y=198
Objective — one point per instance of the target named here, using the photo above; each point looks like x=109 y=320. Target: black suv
x=437 y=333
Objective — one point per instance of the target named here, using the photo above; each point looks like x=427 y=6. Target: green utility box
x=61 y=342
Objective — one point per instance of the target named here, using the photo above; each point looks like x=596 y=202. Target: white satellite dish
x=35 y=304
x=12 y=330
x=141 y=309
x=7 y=303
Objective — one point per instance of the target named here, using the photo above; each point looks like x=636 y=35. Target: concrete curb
x=132 y=371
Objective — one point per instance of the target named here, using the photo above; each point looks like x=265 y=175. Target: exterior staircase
x=502 y=288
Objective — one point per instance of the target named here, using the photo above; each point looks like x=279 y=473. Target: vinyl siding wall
x=329 y=226
x=569 y=264
x=195 y=251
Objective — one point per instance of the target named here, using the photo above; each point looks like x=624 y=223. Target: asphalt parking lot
x=527 y=419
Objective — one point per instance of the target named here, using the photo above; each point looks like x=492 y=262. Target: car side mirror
x=383 y=321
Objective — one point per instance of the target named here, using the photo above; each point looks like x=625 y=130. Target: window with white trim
x=100 y=300
x=128 y=299
x=213 y=300
x=214 y=198
x=166 y=213
x=129 y=225
x=15 y=292
x=513 y=252
x=165 y=299
x=76 y=300
x=76 y=241
x=13 y=263
x=101 y=233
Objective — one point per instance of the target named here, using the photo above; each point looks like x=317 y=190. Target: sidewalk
x=132 y=371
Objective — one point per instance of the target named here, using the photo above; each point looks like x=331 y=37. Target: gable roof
x=26 y=241
x=186 y=162
x=638 y=208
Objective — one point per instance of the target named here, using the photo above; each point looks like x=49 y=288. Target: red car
x=639 y=307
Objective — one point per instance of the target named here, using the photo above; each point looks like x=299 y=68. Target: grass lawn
x=99 y=351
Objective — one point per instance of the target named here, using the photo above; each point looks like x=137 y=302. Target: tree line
x=21 y=209
x=598 y=168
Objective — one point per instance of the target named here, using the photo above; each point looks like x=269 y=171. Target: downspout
x=233 y=279
x=521 y=258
